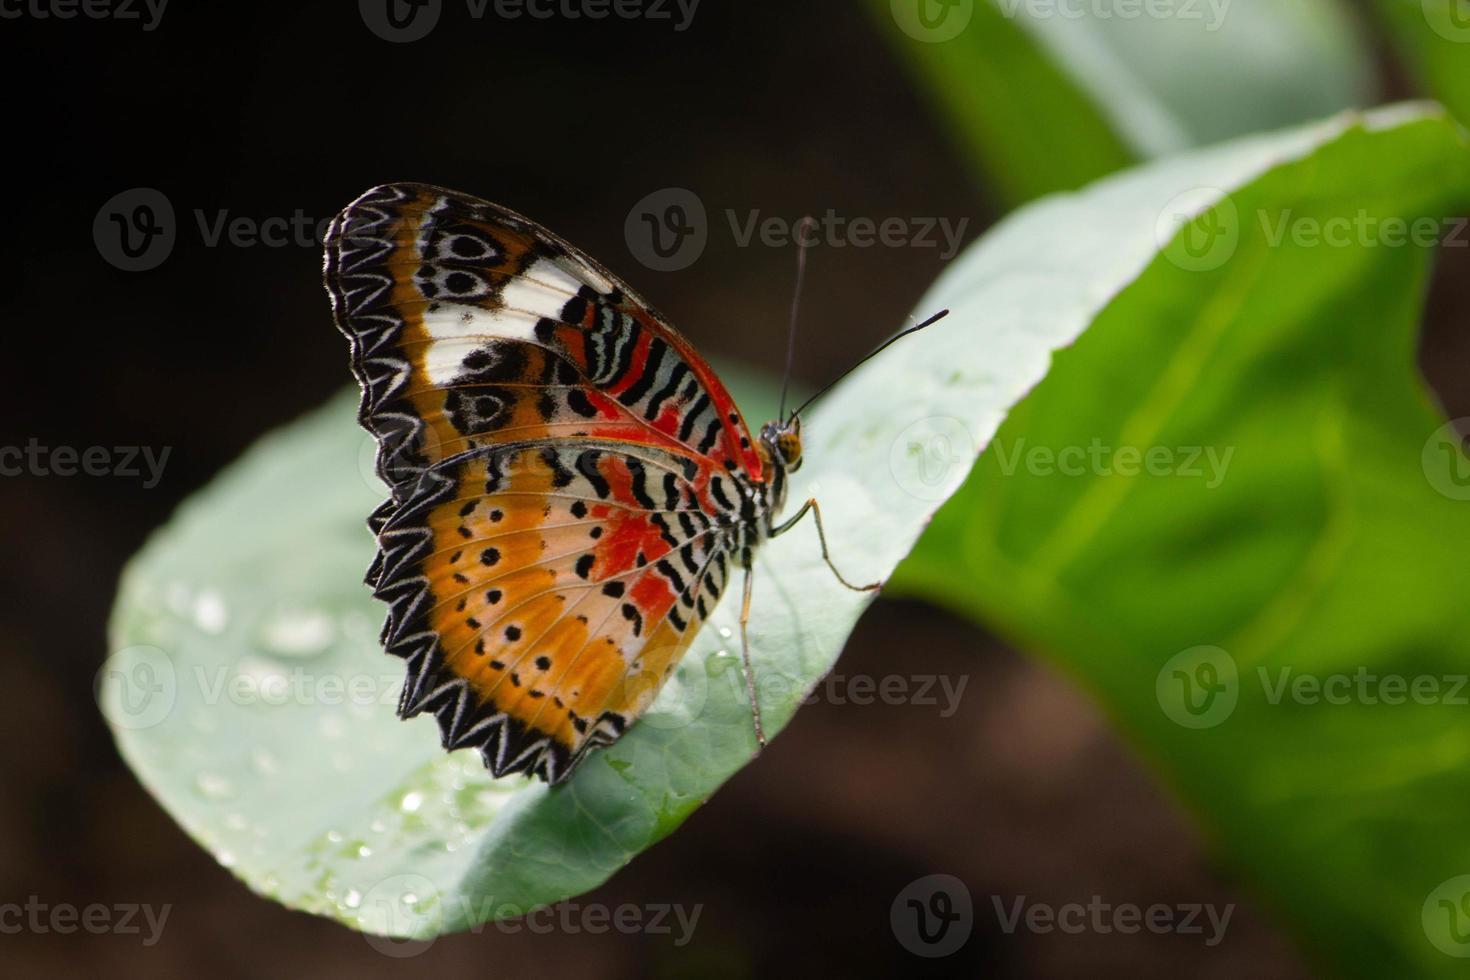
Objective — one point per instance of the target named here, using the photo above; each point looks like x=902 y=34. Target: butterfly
x=571 y=486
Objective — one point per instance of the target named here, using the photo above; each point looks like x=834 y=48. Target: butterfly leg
x=755 y=707
x=748 y=669
x=816 y=509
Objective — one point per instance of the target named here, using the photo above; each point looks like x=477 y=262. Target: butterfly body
x=571 y=487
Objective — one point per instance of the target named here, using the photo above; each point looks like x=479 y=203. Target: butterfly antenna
x=802 y=240
x=868 y=357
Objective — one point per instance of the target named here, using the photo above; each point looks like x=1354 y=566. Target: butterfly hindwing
x=539 y=599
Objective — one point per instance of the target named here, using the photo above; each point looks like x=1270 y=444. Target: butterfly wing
x=477 y=335
x=541 y=592
x=472 y=325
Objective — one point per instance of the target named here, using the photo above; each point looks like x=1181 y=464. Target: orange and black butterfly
x=571 y=486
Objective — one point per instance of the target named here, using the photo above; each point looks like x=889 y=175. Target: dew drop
x=210 y=614
x=411 y=802
x=298 y=632
x=225 y=858
x=352 y=899
x=213 y=787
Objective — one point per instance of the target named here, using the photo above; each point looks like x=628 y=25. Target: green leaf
x=1234 y=481
x=249 y=693
x=1434 y=38
x=341 y=809
x=1047 y=95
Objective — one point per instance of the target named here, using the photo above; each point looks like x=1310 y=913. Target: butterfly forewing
x=564 y=473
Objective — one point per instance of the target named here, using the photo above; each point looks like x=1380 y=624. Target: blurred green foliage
x=1434 y=39
x=1233 y=484
x=1047 y=95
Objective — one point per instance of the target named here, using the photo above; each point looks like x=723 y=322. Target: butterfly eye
x=789 y=444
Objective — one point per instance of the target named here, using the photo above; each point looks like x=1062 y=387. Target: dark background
x=783 y=107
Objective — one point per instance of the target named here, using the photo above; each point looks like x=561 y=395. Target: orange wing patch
x=544 y=604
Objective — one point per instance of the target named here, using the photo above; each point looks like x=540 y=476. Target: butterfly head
x=781 y=443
